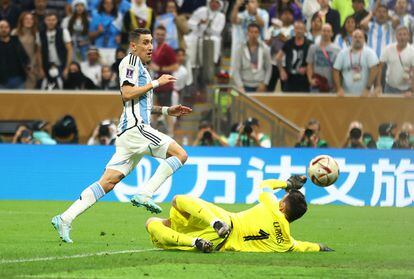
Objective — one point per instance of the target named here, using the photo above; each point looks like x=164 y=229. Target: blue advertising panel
x=221 y=175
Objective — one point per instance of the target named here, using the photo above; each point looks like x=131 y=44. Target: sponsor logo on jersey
x=262 y=235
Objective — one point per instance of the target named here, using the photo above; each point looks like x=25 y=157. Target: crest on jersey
x=129 y=73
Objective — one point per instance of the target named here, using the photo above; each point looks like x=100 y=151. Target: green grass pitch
x=369 y=243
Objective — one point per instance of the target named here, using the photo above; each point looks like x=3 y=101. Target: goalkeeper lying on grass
x=197 y=224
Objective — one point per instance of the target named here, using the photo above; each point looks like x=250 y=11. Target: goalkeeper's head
x=293 y=205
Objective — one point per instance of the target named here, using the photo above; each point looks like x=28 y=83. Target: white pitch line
x=104 y=253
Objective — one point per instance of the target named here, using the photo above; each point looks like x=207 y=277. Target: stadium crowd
x=355 y=47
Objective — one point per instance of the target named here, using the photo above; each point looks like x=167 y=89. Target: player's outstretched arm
x=130 y=91
x=294 y=182
x=177 y=111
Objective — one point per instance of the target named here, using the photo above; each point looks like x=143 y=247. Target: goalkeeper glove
x=295 y=182
x=324 y=248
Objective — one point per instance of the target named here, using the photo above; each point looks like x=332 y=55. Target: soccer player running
x=135 y=138
x=197 y=224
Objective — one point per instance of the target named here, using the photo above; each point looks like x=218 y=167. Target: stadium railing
x=231 y=106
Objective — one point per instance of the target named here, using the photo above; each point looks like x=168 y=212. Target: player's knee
x=175 y=200
x=183 y=156
x=149 y=221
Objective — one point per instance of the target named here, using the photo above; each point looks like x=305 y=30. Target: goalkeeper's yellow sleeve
x=304 y=246
x=267 y=198
x=273 y=184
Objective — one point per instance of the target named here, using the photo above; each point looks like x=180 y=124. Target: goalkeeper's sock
x=169 y=237
x=87 y=198
x=196 y=208
x=164 y=170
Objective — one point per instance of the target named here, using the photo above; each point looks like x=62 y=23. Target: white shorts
x=136 y=142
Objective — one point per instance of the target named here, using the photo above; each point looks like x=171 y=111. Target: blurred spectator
x=386 y=135
x=275 y=9
x=321 y=58
x=53 y=79
x=24 y=135
x=65 y=130
x=59 y=7
x=182 y=76
x=314 y=34
x=310 y=136
x=105 y=30
x=252 y=68
x=380 y=30
x=344 y=38
x=401 y=14
x=123 y=6
x=241 y=21
x=250 y=135
x=9 y=12
x=40 y=133
x=173 y=25
x=119 y=55
x=279 y=32
x=292 y=61
x=26 y=31
x=39 y=13
x=354 y=138
x=355 y=68
x=310 y=7
x=345 y=8
x=92 y=67
x=408 y=128
x=206 y=136
x=104 y=134
x=206 y=24
x=163 y=62
x=13 y=59
x=56 y=48
x=369 y=141
x=76 y=80
x=329 y=15
x=189 y=6
x=108 y=81
x=403 y=141
x=359 y=11
x=78 y=26
x=399 y=58
x=139 y=16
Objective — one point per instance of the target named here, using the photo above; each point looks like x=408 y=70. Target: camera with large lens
x=355 y=134
x=308 y=133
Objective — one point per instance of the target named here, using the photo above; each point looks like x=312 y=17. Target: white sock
x=164 y=170
x=88 y=197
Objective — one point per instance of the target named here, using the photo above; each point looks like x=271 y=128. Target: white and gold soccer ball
x=323 y=170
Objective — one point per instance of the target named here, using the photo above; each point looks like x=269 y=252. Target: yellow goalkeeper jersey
x=263 y=228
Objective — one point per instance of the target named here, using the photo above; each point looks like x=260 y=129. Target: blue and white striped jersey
x=379 y=36
x=136 y=111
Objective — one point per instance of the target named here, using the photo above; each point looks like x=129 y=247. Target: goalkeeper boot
x=203 y=245
x=145 y=201
x=221 y=228
x=62 y=228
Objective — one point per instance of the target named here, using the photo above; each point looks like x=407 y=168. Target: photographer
x=104 y=134
x=309 y=137
x=250 y=135
x=24 y=135
x=208 y=137
x=354 y=138
x=403 y=141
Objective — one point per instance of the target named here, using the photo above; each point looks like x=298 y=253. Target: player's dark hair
x=135 y=34
x=49 y=14
x=296 y=205
x=161 y=27
x=253 y=25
